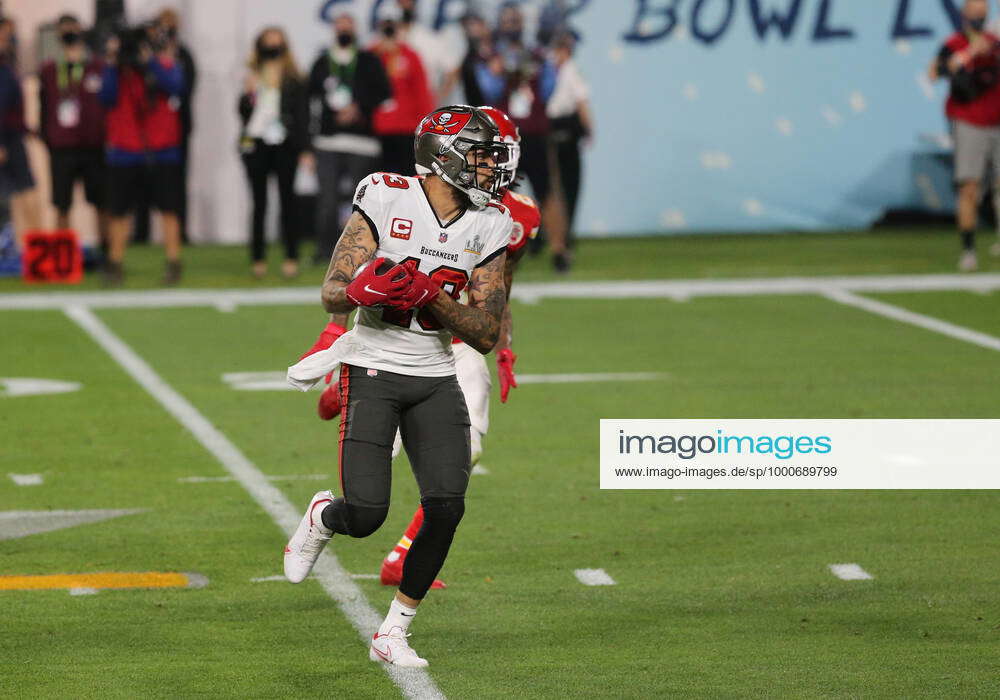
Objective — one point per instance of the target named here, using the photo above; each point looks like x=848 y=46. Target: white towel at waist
x=304 y=374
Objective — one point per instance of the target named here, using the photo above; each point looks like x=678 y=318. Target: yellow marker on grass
x=91 y=583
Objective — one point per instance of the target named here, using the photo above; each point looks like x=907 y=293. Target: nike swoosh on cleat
x=384 y=657
x=375 y=291
x=287 y=550
x=405 y=615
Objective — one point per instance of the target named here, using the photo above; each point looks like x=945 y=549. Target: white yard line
x=583 y=378
x=413 y=683
x=905 y=316
x=27 y=479
x=224 y=479
x=593 y=577
x=528 y=291
x=850 y=572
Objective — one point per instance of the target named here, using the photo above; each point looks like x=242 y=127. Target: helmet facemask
x=487 y=167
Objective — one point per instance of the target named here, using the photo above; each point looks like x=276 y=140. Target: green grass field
x=718 y=593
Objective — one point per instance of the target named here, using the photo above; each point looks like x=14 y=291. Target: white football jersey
x=406 y=228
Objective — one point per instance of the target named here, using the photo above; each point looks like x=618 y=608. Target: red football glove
x=371 y=288
x=328 y=407
x=505 y=370
x=326 y=339
x=421 y=291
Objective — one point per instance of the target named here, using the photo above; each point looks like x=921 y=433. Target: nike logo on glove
x=375 y=291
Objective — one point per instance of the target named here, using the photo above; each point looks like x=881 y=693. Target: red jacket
x=80 y=84
x=975 y=90
x=143 y=118
x=411 y=97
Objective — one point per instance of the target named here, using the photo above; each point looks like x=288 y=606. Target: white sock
x=399 y=616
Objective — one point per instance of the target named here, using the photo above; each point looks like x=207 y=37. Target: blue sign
x=737 y=115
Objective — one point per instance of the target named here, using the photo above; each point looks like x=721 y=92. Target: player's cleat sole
x=329 y=402
x=393 y=649
x=392 y=574
x=309 y=539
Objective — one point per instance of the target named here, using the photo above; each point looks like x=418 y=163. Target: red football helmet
x=509 y=134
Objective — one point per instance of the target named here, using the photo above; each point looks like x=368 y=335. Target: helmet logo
x=444 y=123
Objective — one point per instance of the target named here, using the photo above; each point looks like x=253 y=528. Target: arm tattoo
x=506 y=338
x=356 y=246
x=478 y=324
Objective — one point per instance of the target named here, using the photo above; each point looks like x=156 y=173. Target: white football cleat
x=392 y=648
x=310 y=537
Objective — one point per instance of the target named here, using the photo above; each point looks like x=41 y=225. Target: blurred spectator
x=440 y=64
x=141 y=90
x=275 y=136
x=571 y=121
x=15 y=173
x=970 y=59
x=480 y=49
x=71 y=119
x=346 y=84
x=396 y=120
x=162 y=31
x=167 y=25
x=520 y=81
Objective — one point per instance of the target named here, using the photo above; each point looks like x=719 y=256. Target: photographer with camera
x=165 y=28
x=142 y=86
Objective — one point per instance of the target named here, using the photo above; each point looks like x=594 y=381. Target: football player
x=446 y=233
x=470 y=366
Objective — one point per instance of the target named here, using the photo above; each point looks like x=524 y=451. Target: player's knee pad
x=362 y=521
x=443 y=514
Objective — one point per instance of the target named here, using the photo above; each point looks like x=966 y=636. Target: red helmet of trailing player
x=510 y=135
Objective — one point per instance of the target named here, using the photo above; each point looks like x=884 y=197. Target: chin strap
x=477 y=197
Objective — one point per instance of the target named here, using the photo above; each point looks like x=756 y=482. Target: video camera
x=131 y=41
x=144 y=38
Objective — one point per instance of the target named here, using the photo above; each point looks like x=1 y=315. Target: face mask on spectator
x=513 y=35
x=345 y=39
x=389 y=30
x=269 y=53
x=69 y=38
x=976 y=25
